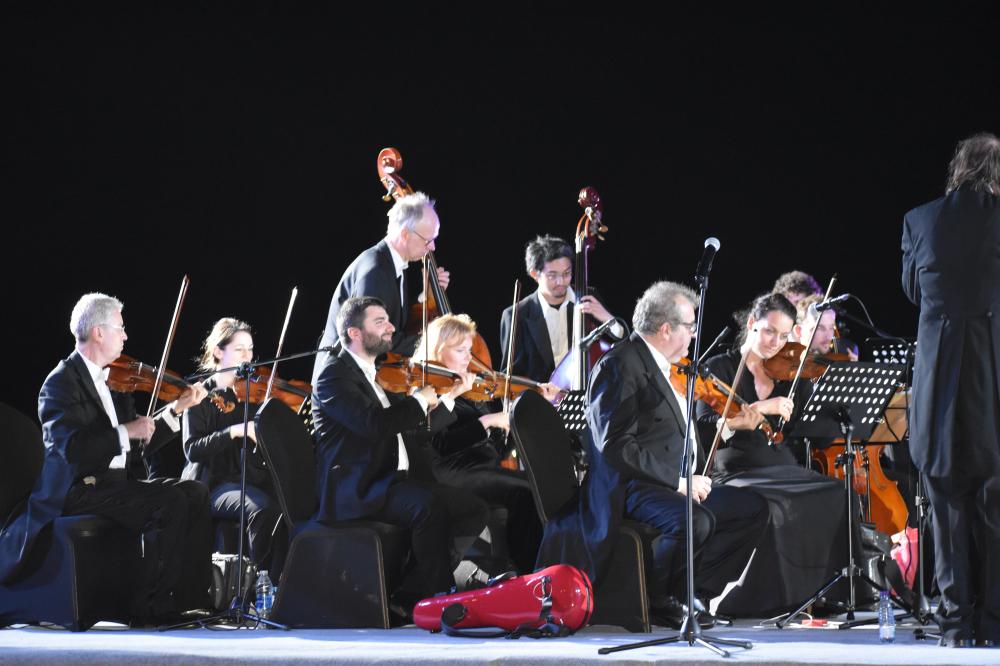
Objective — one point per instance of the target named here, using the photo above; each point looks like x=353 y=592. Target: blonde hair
x=441 y=332
x=222 y=334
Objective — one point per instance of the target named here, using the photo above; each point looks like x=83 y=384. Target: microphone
x=829 y=303
x=719 y=338
x=712 y=246
x=598 y=332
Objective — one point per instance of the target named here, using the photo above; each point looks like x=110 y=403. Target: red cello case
x=559 y=599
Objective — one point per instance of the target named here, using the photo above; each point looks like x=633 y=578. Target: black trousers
x=435 y=514
x=726 y=528
x=163 y=514
x=967 y=554
x=266 y=538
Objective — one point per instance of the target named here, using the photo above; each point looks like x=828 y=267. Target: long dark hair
x=976 y=163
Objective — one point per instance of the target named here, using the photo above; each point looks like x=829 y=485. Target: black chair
x=81 y=568
x=334 y=577
x=543 y=445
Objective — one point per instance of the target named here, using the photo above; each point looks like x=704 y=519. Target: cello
x=389 y=163
x=573 y=370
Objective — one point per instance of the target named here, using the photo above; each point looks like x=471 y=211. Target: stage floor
x=109 y=644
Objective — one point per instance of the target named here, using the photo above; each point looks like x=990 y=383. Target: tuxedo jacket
x=79 y=442
x=357 y=450
x=951 y=270
x=636 y=434
x=372 y=273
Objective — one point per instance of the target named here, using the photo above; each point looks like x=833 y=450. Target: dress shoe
x=955 y=642
x=669 y=612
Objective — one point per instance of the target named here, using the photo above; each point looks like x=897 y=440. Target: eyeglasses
x=427 y=241
x=558 y=277
x=691 y=326
x=114 y=326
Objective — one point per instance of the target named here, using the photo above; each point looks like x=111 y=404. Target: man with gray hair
x=951 y=270
x=380 y=271
x=91 y=436
x=638 y=422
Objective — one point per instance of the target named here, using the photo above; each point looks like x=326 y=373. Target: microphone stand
x=237 y=611
x=690 y=630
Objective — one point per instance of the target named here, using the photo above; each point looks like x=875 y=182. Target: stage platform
x=109 y=644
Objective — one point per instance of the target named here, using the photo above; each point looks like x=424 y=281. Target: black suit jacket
x=532 y=344
x=372 y=273
x=79 y=442
x=951 y=269
x=357 y=449
x=636 y=435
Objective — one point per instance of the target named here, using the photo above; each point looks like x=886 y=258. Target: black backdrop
x=236 y=142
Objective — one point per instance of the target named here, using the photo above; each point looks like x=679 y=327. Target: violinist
x=364 y=464
x=466 y=451
x=545 y=317
x=951 y=270
x=808 y=319
x=802 y=547
x=637 y=420
x=380 y=272
x=213 y=438
x=91 y=435
x=796 y=285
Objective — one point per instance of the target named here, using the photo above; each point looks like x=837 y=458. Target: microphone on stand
x=712 y=246
x=598 y=332
x=719 y=338
x=829 y=303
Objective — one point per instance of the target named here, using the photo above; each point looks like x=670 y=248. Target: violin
x=715 y=393
x=127 y=375
x=388 y=163
x=783 y=365
x=292 y=392
x=398 y=374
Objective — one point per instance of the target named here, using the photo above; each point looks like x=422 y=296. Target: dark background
x=236 y=142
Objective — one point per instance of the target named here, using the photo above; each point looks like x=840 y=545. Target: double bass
x=573 y=370
x=389 y=163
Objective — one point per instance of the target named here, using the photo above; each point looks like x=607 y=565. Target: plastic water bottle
x=886 y=619
x=265 y=595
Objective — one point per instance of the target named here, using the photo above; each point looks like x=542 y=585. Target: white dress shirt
x=99 y=376
x=664 y=365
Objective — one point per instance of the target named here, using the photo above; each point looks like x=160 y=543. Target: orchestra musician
x=544 y=318
x=467 y=445
x=806 y=541
x=92 y=437
x=637 y=421
x=380 y=272
x=796 y=285
x=213 y=439
x=364 y=463
x=951 y=270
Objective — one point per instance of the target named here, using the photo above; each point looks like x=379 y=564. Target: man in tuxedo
x=544 y=318
x=951 y=270
x=364 y=464
x=380 y=272
x=92 y=438
x=638 y=423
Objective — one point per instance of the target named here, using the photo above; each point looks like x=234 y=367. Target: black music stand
x=849 y=401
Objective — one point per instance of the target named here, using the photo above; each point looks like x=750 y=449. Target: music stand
x=237 y=614
x=849 y=400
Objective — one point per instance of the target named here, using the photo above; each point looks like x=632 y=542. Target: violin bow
x=281 y=343
x=709 y=459
x=510 y=357
x=158 y=382
x=423 y=364
x=803 y=358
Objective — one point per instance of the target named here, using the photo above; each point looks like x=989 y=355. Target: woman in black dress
x=213 y=437
x=806 y=543
x=467 y=443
